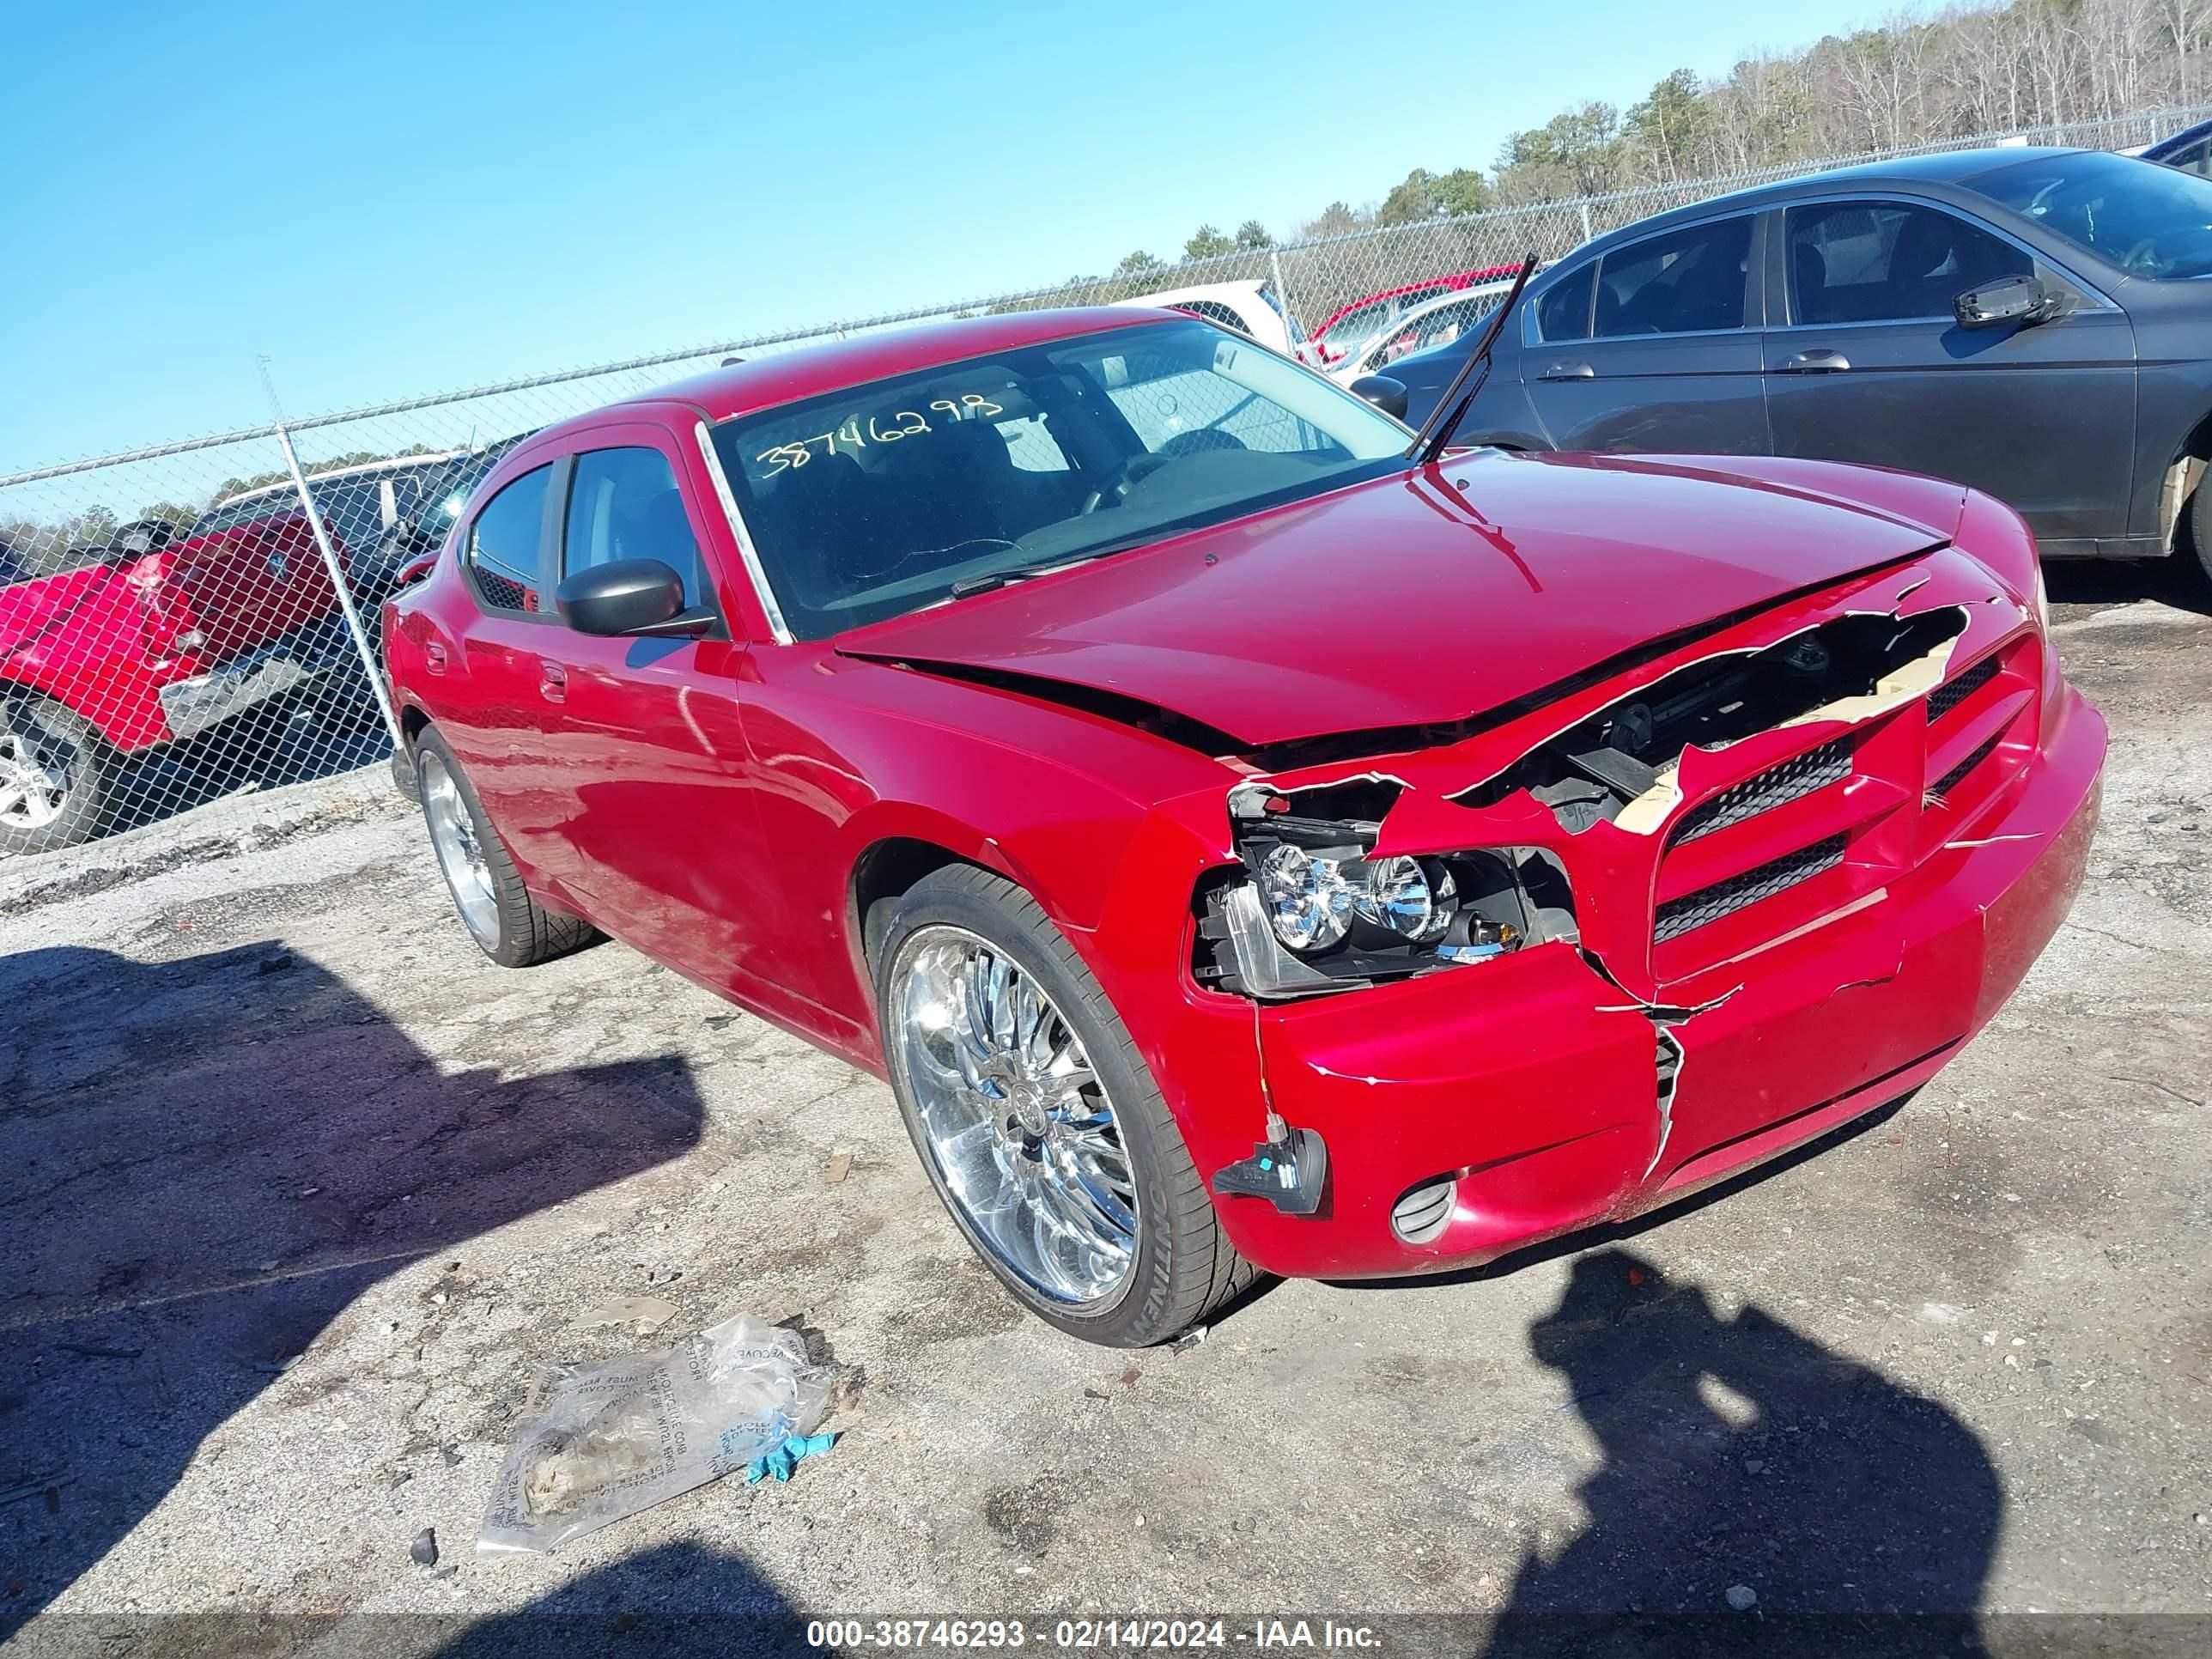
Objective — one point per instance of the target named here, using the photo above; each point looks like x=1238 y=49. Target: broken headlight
x=1311 y=909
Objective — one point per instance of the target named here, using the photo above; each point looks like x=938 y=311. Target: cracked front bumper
x=1529 y=1083
x=307 y=654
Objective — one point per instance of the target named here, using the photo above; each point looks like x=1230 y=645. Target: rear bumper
x=299 y=659
x=1532 y=1085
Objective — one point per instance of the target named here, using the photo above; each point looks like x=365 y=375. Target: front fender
x=848 y=755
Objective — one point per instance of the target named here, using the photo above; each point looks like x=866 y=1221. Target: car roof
x=764 y=382
x=2174 y=141
x=1953 y=168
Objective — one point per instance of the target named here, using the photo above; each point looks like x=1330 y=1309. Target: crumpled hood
x=30 y=610
x=1430 y=597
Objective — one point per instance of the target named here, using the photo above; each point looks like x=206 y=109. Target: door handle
x=1569 y=370
x=1823 y=362
x=434 y=657
x=552 y=681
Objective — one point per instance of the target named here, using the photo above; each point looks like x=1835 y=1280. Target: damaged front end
x=1314 y=910
x=1321 y=904
x=1605 y=951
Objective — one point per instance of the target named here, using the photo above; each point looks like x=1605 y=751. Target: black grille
x=1798 y=776
x=1949 y=695
x=1957 y=775
x=1678 y=916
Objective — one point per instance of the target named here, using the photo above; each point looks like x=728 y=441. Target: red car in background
x=1353 y=325
x=157 y=638
x=1243 y=843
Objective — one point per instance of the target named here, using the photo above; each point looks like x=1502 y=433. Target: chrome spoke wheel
x=34 y=783
x=1015 y=1120
x=460 y=853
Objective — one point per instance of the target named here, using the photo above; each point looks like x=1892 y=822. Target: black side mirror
x=628 y=597
x=1385 y=392
x=2021 y=300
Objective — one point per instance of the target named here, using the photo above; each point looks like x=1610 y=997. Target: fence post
x=354 y=627
x=1586 y=220
x=1283 y=294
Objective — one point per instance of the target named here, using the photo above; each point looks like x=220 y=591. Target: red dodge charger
x=1242 y=844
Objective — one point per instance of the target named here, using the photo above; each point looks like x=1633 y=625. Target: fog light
x=1421 y=1215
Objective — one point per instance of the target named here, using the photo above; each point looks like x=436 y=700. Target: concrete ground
x=298 y=1193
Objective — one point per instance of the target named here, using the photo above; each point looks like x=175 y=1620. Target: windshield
x=2144 y=217
x=1357 y=326
x=884 y=497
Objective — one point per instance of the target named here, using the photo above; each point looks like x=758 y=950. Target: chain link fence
x=188 y=620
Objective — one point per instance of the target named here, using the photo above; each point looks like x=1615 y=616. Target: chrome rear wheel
x=1019 y=1130
x=460 y=853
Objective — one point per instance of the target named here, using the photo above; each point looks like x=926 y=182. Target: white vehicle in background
x=1251 y=309
x=1432 y=323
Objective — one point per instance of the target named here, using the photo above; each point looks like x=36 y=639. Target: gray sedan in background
x=2034 y=323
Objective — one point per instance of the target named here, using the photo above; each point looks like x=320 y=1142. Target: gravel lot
x=299 y=1192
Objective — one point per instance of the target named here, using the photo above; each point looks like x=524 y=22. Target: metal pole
x=1283 y=294
x=354 y=626
x=1586 y=221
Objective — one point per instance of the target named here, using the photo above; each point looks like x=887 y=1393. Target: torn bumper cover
x=1804 y=924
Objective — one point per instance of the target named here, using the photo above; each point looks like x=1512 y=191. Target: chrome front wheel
x=1019 y=1130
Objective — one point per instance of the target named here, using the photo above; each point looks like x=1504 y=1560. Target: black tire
x=1183 y=1267
x=513 y=929
x=2200 y=529
x=61 y=743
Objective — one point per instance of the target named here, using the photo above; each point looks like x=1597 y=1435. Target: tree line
x=43 y=546
x=1922 y=76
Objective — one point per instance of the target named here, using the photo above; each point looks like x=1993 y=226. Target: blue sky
x=406 y=197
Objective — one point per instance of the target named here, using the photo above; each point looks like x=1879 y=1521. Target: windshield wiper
x=1020 y=572
x=1436 y=432
x=990 y=579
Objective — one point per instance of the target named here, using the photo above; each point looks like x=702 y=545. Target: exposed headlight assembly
x=1313 y=902
x=1312 y=910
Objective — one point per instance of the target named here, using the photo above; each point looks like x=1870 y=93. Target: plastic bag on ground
x=619 y=1438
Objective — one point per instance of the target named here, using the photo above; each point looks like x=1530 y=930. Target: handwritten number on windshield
x=789 y=457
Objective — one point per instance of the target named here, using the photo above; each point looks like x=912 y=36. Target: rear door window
x=624 y=504
x=1564 y=312
x=1687 y=281
x=1875 y=262
x=506 y=546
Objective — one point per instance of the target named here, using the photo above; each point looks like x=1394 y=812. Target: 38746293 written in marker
x=1092 y=1634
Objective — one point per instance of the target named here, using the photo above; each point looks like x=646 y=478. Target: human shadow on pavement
x=1759 y=1493
x=675 y=1599
x=202 y=1164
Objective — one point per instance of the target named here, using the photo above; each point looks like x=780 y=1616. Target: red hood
x=30 y=609
x=1408 y=601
